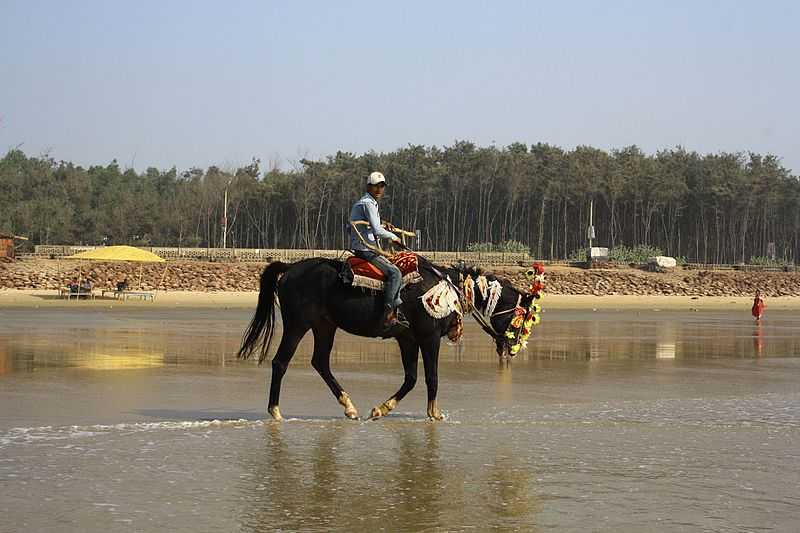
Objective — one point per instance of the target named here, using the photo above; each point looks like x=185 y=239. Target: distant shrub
x=479 y=247
x=766 y=261
x=623 y=254
x=509 y=247
x=636 y=254
x=579 y=256
x=512 y=247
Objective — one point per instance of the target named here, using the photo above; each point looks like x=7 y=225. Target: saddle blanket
x=368 y=276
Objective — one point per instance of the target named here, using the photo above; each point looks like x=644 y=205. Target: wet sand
x=231 y=300
x=139 y=418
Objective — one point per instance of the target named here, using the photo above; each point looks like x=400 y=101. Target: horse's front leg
x=430 y=359
x=409 y=350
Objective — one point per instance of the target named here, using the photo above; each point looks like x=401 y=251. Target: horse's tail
x=262 y=326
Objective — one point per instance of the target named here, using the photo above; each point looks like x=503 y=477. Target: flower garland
x=524 y=319
x=469 y=294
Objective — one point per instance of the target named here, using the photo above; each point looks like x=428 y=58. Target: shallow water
x=130 y=420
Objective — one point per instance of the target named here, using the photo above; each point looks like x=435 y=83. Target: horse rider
x=366 y=209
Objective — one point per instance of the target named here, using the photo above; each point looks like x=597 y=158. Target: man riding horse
x=322 y=295
x=366 y=210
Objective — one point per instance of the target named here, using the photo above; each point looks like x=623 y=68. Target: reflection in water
x=509 y=497
x=29 y=340
x=758 y=340
x=310 y=478
x=6 y=360
x=504 y=390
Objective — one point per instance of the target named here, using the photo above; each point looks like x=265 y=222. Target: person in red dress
x=758 y=306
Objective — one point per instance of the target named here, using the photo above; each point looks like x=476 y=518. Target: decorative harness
x=519 y=329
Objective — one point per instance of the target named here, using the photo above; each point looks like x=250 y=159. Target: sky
x=192 y=84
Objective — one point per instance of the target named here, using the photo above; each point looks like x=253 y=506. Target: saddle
x=364 y=274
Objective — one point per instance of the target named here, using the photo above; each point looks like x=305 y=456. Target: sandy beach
x=233 y=300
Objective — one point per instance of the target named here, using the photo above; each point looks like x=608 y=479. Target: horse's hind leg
x=289 y=340
x=409 y=350
x=321 y=361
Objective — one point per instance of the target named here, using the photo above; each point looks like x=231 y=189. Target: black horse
x=313 y=297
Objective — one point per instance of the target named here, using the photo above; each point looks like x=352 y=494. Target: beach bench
x=114 y=293
x=66 y=292
x=124 y=295
x=137 y=294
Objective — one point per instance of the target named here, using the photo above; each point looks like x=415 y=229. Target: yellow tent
x=121 y=253
x=118 y=253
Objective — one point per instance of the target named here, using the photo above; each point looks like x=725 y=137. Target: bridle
x=486 y=321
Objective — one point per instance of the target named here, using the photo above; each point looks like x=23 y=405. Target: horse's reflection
x=346 y=476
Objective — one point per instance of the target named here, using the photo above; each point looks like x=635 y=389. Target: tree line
x=714 y=208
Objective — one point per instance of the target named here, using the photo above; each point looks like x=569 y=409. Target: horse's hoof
x=276 y=413
x=383 y=409
x=350 y=410
x=433 y=411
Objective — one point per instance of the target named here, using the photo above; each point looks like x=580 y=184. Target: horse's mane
x=466 y=269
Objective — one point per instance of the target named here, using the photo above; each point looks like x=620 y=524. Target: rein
x=486 y=321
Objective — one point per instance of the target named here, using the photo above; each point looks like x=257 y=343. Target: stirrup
x=400 y=317
x=394 y=319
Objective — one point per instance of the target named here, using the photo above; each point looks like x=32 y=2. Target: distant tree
x=724 y=207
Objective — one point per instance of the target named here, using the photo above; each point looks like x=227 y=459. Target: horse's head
x=503 y=311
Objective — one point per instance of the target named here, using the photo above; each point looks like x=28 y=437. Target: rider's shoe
x=401 y=318
x=393 y=318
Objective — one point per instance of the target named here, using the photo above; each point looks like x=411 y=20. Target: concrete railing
x=286 y=255
x=263 y=255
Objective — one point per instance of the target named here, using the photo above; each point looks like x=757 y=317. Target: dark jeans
x=394 y=278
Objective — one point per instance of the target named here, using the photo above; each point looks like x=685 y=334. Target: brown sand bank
x=242 y=277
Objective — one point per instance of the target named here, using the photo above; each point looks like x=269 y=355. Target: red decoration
x=406 y=261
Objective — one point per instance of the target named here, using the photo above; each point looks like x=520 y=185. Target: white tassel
x=483 y=286
x=495 y=289
x=441 y=300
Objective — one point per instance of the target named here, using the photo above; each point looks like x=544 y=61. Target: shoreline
x=36 y=298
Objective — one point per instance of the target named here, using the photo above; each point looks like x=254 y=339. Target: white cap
x=375 y=178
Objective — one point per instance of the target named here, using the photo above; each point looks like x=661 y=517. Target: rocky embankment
x=205 y=277
x=174 y=276
x=679 y=283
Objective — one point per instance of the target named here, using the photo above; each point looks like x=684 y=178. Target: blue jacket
x=367 y=209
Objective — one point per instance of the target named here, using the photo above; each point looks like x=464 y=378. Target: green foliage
x=621 y=254
x=480 y=247
x=580 y=255
x=509 y=247
x=635 y=254
x=766 y=261
x=512 y=247
x=715 y=208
